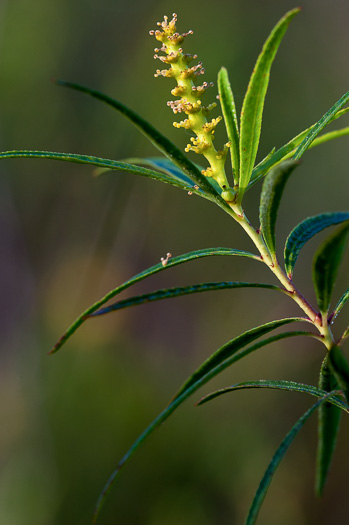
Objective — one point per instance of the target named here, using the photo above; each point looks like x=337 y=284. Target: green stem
x=320 y=322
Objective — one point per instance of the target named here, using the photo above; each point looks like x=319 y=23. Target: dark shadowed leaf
x=233 y=346
x=252 y=109
x=169 y=293
x=159 y=140
x=273 y=187
x=179 y=399
x=329 y=420
x=326 y=264
x=340 y=368
x=277 y=385
x=304 y=231
x=226 y=99
x=276 y=460
x=173 y=261
x=162 y=164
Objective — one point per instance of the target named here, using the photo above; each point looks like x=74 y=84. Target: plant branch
x=320 y=322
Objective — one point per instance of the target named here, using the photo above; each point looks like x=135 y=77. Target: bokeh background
x=66 y=238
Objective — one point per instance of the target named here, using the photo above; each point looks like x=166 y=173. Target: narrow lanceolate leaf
x=272 y=190
x=169 y=293
x=159 y=140
x=230 y=348
x=304 y=231
x=226 y=99
x=340 y=369
x=252 y=109
x=277 y=385
x=289 y=149
x=319 y=126
x=331 y=135
x=162 y=164
x=276 y=460
x=101 y=163
x=339 y=305
x=178 y=401
x=173 y=261
x=165 y=165
x=329 y=420
x=326 y=264
x=345 y=335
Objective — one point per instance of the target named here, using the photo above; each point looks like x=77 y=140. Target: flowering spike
x=189 y=98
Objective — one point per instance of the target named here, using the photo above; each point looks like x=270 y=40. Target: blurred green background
x=67 y=238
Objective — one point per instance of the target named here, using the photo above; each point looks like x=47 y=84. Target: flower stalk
x=190 y=102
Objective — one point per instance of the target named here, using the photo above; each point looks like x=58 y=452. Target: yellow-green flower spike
x=189 y=101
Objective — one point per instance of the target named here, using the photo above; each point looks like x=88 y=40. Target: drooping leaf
x=252 y=109
x=329 y=420
x=339 y=305
x=326 y=264
x=278 y=385
x=100 y=162
x=304 y=231
x=226 y=99
x=340 y=368
x=276 y=460
x=178 y=400
x=230 y=348
x=173 y=261
x=169 y=293
x=319 y=126
x=289 y=149
x=273 y=187
x=159 y=140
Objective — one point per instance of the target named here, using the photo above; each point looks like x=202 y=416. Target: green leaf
x=289 y=149
x=339 y=305
x=163 y=164
x=340 y=368
x=101 y=163
x=173 y=261
x=278 y=385
x=272 y=190
x=252 y=109
x=226 y=99
x=230 y=348
x=329 y=420
x=326 y=264
x=159 y=140
x=177 y=401
x=304 y=231
x=326 y=137
x=319 y=126
x=276 y=460
x=345 y=335
x=169 y=293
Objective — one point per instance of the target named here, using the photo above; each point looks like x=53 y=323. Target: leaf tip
x=58 y=345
